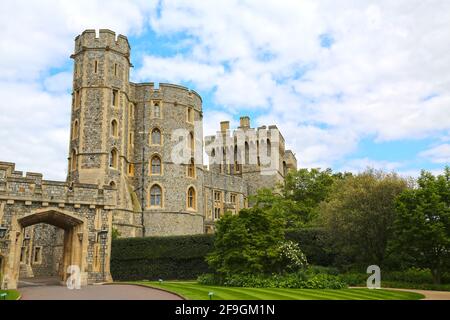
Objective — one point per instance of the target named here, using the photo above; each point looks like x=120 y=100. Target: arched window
x=114 y=128
x=269 y=148
x=191 y=199
x=285 y=169
x=73 y=160
x=75 y=130
x=114 y=159
x=247 y=153
x=156 y=110
x=156 y=196
x=156 y=137
x=156 y=165
x=224 y=160
x=237 y=160
x=191 y=169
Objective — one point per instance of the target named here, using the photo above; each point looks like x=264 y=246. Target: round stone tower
x=126 y=136
x=169 y=136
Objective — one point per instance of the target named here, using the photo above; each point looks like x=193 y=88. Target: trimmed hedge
x=299 y=280
x=168 y=258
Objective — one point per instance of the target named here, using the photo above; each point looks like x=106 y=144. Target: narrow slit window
x=114 y=159
x=157 y=110
x=115 y=98
x=114 y=128
x=191 y=169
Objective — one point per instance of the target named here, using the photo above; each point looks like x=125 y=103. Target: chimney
x=224 y=126
x=245 y=122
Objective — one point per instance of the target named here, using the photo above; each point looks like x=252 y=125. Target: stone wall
x=80 y=209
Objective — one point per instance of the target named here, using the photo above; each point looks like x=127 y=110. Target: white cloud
x=386 y=57
x=438 y=154
x=178 y=69
x=35 y=37
x=386 y=74
x=34 y=129
x=60 y=82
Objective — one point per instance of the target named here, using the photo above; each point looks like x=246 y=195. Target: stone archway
x=75 y=241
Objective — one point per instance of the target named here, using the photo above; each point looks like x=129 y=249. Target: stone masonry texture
x=110 y=175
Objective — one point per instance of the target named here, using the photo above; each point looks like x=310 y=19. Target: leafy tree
x=306 y=189
x=422 y=226
x=358 y=216
x=248 y=243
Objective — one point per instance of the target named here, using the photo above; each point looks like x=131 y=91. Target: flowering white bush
x=292 y=255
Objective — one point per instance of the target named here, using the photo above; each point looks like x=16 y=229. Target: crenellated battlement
x=181 y=94
x=168 y=92
x=106 y=39
x=15 y=186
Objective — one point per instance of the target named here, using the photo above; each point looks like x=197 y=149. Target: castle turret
x=98 y=146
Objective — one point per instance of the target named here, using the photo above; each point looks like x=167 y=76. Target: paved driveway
x=95 y=292
x=429 y=295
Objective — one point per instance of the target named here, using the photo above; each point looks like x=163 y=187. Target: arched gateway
x=76 y=242
x=80 y=213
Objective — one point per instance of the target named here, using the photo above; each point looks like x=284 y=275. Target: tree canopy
x=422 y=227
x=359 y=215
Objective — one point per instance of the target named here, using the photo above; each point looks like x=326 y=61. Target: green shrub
x=210 y=279
x=412 y=278
x=298 y=280
x=323 y=270
x=355 y=279
x=168 y=258
x=412 y=275
x=325 y=281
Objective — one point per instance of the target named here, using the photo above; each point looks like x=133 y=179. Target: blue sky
x=351 y=85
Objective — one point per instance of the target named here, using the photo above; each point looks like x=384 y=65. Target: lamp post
x=3 y=231
x=103 y=234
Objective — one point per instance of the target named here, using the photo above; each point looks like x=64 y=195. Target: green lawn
x=195 y=291
x=12 y=294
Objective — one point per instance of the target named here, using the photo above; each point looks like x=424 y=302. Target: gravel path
x=95 y=292
x=429 y=295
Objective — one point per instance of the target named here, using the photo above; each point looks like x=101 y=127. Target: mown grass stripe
x=311 y=294
x=286 y=292
x=264 y=294
x=191 y=292
x=195 y=291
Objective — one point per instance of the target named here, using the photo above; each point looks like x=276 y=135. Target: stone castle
x=135 y=167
